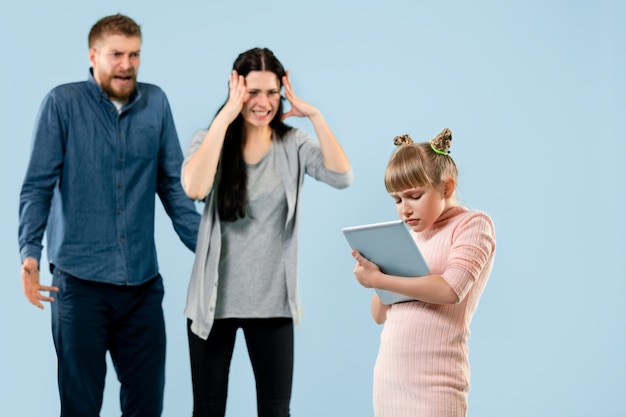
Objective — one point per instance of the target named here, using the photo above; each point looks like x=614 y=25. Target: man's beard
x=120 y=93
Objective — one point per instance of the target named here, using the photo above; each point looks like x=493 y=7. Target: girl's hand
x=366 y=271
x=299 y=107
x=237 y=96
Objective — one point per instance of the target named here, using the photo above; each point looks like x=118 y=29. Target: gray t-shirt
x=252 y=264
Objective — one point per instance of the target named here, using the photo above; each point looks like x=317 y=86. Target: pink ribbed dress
x=422 y=369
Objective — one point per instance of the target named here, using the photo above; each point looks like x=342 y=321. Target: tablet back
x=390 y=246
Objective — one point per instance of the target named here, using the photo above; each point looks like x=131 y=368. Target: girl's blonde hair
x=420 y=164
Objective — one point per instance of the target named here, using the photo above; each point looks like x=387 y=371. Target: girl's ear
x=449 y=185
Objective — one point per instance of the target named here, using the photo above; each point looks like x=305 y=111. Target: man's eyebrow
x=119 y=51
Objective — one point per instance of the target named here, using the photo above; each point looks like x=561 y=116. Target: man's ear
x=92 y=56
x=449 y=185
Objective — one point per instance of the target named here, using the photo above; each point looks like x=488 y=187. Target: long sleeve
x=180 y=208
x=41 y=177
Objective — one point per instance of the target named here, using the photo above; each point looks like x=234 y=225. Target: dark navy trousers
x=89 y=319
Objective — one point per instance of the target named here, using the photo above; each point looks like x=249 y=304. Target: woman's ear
x=449 y=185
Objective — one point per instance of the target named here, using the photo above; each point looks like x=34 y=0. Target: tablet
x=390 y=246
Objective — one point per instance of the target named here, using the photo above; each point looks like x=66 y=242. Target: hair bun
x=402 y=140
x=442 y=142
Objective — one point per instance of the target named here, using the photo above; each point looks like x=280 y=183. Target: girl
x=422 y=369
x=249 y=168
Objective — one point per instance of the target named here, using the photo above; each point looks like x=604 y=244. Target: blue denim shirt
x=92 y=179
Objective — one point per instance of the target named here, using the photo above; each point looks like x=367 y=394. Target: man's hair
x=117 y=24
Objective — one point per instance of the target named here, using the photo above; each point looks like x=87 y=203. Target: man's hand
x=30 y=282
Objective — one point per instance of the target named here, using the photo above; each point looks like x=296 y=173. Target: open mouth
x=124 y=79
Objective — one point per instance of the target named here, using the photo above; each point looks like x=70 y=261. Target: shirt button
x=120 y=211
x=120 y=185
x=122 y=239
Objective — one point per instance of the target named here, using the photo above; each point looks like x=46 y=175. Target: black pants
x=270 y=347
x=89 y=319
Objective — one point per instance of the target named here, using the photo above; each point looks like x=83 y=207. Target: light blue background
x=534 y=94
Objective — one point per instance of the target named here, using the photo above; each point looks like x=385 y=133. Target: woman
x=249 y=168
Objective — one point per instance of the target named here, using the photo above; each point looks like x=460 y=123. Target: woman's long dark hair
x=232 y=178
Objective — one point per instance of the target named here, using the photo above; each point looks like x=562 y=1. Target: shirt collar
x=101 y=95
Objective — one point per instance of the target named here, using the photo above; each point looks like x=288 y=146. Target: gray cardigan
x=297 y=154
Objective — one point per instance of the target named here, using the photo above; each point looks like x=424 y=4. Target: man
x=102 y=149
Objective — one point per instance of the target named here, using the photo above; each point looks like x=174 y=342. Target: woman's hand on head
x=299 y=107
x=237 y=96
x=366 y=271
